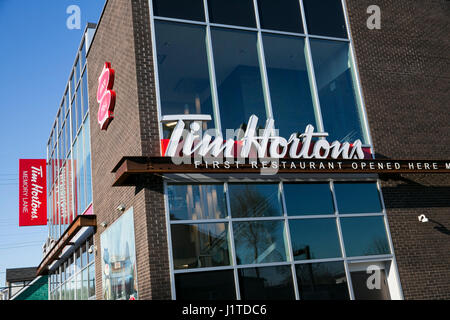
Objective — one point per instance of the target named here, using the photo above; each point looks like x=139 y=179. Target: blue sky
x=36 y=55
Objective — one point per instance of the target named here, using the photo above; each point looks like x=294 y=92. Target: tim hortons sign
x=32 y=192
x=264 y=144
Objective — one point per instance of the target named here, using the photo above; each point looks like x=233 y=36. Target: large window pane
x=337 y=90
x=200 y=245
x=84 y=285
x=357 y=197
x=289 y=83
x=196 y=202
x=314 y=239
x=259 y=242
x=79 y=107
x=91 y=291
x=181 y=9
x=267 y=283
x=254 y=200
x=322 y=281
x=234 y=12
x=282 y=16
x=217 y=285
x=183 y=70
x=325 y=18
x=308 y=199
x=365 y=236
x=238 y=77
x=87 y=160
x=85 y=94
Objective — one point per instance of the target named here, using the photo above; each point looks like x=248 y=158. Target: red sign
x=106 y=97
x=32 y=193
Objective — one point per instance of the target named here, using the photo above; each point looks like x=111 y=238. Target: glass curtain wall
x=286 y=240
x=69 y=153
x=288 y=60
x=74 y=279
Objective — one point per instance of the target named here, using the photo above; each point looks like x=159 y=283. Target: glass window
x=84 y=285
x=216 y=285
x=337 y=90
x=290 y=91
x=180 y=9
x=284 y=16
x=79 y=108
x=357 y=197
x=308 y=199
x=322 y=281
x=325 y=18
x=73 y=115
x=184 y=87
x=196 y=202
x=91 y=257
x=234 y=12
x=83 y=55
x=78 y=286
x=78 y=261
x=365 y=236
x=87 y=160
x=361 y=276
x=239 y=84
x=73 y=84
x=267 y=283
x=91 y=292
x=314 y=239
x=200 y=245
x=85 y=94
x=77 y=70
x=83 y=255
x=259 y=242
x=255 y=200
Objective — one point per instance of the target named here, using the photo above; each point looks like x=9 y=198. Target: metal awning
x=128 y=169
x=66 y=241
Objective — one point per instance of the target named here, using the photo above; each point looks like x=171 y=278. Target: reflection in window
x=238 y=77
x=289 y=83
x=308 y=199
x=365 y=236
x=259 y=242
x=337 y=90
x=196 y=202
x=322 y=281
x=314 y=239
x=234 y=12
x=325 y=18
x=184 y=87
x=267 y=283
x=285 y=16
x=254 y=200
x=180 y=9
x=216 y=285
x=357 y=197
x=200 y=246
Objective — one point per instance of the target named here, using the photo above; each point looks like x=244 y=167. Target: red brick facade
x=404 y=70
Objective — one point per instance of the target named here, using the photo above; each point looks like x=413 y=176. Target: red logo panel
x=32 y=193
x=106 y=97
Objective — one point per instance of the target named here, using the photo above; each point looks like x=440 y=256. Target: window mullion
x=311 y=73
x=212 y=72
x=263 y=68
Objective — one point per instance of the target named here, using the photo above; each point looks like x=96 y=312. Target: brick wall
x=404 y=69
x=118 y=40
x=405 y=77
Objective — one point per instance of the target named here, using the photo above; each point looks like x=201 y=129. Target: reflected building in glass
x=215 y=235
